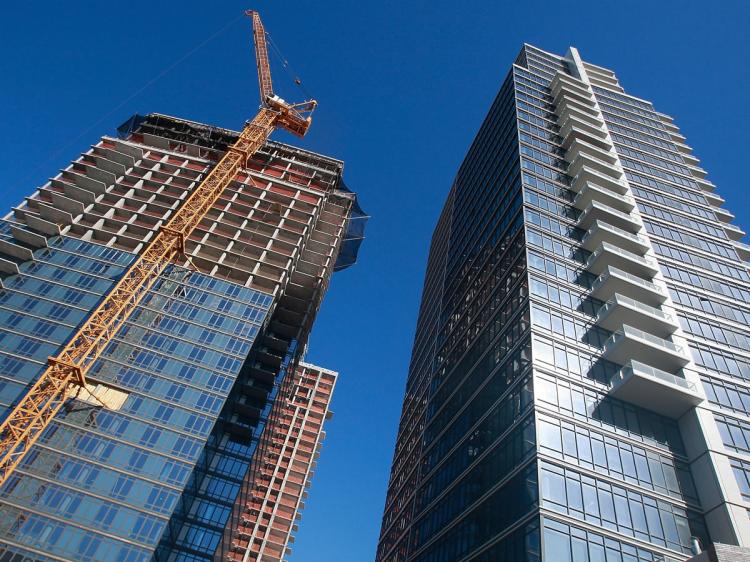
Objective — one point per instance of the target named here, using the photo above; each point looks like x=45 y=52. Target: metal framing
x=67 y=371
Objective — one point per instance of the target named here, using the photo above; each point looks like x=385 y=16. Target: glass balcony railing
x=587 y=174
x=634 y=333
x=733 y=232
x=636 y=239
x=565 y=99
x=641 y=369
x=611 y=271
x=622 y=300
x=565 y=83
x=606 y=192
x=581 y=159
x=655 y=389
x=630 y=256
x=584 y=147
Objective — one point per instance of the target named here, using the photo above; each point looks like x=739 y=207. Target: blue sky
x=402 y=87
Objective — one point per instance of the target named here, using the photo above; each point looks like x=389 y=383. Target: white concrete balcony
x=608 y=255
x=621 y=310
x=567 y=95
x=566 y=92
x=578 y=104
x=587 y=175
x=733 y=232
x=742 y=249
x=691 y=160
x=603 y=167
x=629 y=342
x=578 y=128
x=706 y=185
x=597 y=211
x=579 y=146
x=592 y=192
x=656 y=390
x=573 y=132
x=614 y=281
x=570 y=112
x=723 y=215
x=600 y=232
x=573 y=86
x=714 y=199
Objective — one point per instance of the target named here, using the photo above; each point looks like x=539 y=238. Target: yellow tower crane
x=67 y=370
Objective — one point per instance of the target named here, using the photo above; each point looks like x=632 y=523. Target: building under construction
x=157 y=297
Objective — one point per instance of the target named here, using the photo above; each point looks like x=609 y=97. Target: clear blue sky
x=402 y=87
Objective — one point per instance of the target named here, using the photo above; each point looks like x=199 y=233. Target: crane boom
x=265 y=86
x=67 y=370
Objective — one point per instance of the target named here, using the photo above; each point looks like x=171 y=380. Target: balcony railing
x=603 y=167
x=733 y=232
x=646 y=286
x=580 y=146
x=630 y=331
x=588 y=174
x=641 y=368
x=599 y=211
x=655 y=389
x=621 y=310
x=600 y=231
x=610 y=255
x=565 y=83
x=593 y=192
x=629 y=342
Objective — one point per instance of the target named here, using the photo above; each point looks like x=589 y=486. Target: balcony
x=698 y=172
x=565 y=93
x=574 y=87
x=579 y=95
x=733 y=232
x=592 y=192
x=629 y=342
x=594 y=134
x=742 y=249
x=587 y=174
x=584 y=106
x=604 y=232
x=714 y=199
x=579 y=146
x=574 y=132
x=609 y=255
x=723 y=215
x=600 y=212
x=621 y=310
x=584 y=159
x=566 y=112
x=655 y=390
x=705 y=185
x=613 y=281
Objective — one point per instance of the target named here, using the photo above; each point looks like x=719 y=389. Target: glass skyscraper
x=579 y=388
x=153 y=458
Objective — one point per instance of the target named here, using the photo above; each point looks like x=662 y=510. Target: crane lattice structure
x=67 y=370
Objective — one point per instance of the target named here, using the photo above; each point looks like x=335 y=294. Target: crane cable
x=288 y=68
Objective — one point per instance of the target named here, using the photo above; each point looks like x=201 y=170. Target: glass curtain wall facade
x=577 y=388
x=148 y=460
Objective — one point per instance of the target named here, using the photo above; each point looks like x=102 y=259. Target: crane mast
x=67 y=370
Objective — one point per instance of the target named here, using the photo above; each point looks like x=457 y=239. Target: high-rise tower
x=154 y=458
x=579 y=387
